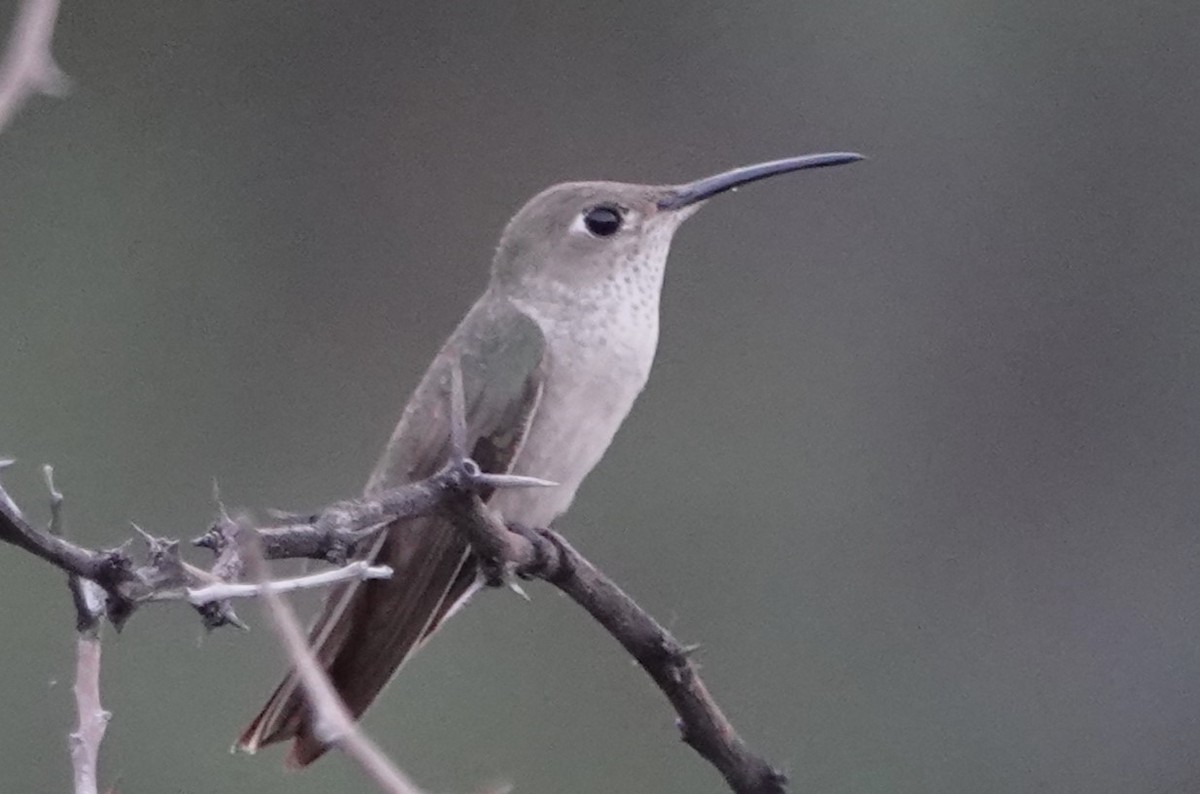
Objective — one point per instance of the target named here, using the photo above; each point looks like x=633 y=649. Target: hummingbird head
x=575 y=239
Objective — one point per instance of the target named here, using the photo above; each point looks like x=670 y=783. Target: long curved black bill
x=683 y=195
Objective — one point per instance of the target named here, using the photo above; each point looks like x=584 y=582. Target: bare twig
x=544 y=554
x=53 y=549
x=220 y=591
x=701 y=722
x=89 y=600
x=331 y=719
x=93 y=719
x=28 y=66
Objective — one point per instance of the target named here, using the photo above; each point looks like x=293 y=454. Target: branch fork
x=112 y=583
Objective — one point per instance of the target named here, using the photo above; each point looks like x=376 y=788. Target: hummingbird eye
x=603 y=220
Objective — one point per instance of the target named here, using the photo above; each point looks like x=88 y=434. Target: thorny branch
x=93 y=719
x=108 y=582
x=28 y=67
x=334 y=534
x=337 y=533
x=546 y=555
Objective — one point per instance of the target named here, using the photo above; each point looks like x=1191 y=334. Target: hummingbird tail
x=367 y=630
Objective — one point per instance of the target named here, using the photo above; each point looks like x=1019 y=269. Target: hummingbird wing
x=366 y=630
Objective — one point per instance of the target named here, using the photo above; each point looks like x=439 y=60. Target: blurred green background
x=918 y=463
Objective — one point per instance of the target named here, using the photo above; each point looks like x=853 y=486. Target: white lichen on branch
x=359 y=569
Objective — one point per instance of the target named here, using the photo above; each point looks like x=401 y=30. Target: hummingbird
x=552 y=357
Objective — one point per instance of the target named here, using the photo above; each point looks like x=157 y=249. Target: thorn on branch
x=211 y=539
x=219 y=614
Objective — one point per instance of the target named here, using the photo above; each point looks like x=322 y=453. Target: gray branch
x=546 y=555
x=93 y=719
x=85 y=740
x=337 y=534
x=27 y=67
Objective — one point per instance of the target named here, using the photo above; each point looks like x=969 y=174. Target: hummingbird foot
x=506 y=549
x=546 y=559
x=536 y=541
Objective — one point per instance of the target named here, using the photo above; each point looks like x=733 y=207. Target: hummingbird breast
x=598 y=361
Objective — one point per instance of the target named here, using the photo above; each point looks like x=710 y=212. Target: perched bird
x=552 y=357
